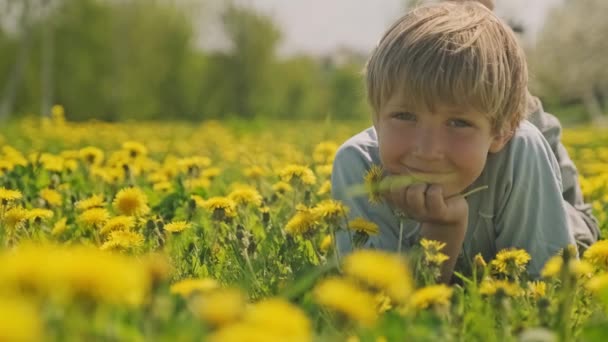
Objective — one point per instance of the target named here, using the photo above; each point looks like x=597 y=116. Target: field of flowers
x=223 y=232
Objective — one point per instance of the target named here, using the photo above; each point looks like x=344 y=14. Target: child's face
x=449 y=141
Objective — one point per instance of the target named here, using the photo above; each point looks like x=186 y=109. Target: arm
x=580 y=216
x=532 y=214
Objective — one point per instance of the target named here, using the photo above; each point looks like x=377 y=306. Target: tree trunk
x=47 y=55
x=593 y=107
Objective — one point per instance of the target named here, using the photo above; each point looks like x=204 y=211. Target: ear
x=500 y=140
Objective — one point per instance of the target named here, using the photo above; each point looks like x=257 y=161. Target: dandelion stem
x=400 y=236
x=468 y=193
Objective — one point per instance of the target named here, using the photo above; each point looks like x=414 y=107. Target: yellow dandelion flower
x=193 y=165
x=162 y=186
x=134 y=149
x=344 y=297
x=536 y=289
x=211 y=172
x=597 y=254
x=118 y=223
x=187 y=287
x=220 y=307
x=91 y=155
x=95 y=201
x=381 y=270
x=59 y=227
x=51 y=197
x=94 y=217
x=325 y=188
x=303 y=222
x=280 y=318
x=432 y=246
x=553 y=267
x=246 y=195
x=510 y=261
x=324 y=170
x=434 y=295
x=362 y=225
x=324 y=152
x=330 y=210
x=176 y=226
x=598 y=283
x=479 y=261
x=491 y=287
x=39 y=214
x=383 y=302
x=122 y=239
x=220 y=207
x=15 y=217
x=326 y=244
x=7 y=195
x=372 y=179
x=131 y=202
x=200 y=182
x=282 y=187
x=20 y=320
x=254 y=172
x=6 y=166
x=296 y=174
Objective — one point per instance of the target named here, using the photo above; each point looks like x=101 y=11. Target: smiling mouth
x=414 y=170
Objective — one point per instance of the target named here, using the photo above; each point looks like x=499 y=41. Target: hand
x=426 y=203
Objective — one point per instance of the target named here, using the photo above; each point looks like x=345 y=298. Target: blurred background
x=258 y=59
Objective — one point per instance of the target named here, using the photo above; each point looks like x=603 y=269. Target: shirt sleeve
x=532 y=213
x=350 y=166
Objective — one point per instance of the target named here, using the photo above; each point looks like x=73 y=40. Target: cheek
x=393 y=146
x=469 y=156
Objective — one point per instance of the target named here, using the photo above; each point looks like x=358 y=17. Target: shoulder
x=360 y=148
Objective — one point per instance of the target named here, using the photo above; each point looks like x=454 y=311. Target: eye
x=406 y=116
x=459 y=123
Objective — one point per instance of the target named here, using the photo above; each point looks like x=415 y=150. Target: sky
x=319 y=27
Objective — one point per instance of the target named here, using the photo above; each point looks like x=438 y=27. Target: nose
x=428 y=145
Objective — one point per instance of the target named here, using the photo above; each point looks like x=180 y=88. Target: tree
x=569 y=61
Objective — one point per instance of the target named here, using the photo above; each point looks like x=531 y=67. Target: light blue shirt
x=522 y=207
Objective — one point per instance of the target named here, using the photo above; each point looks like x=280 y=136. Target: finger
x=435 y=204
x=415 y=199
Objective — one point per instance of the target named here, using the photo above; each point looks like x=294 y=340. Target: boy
x=448 y=87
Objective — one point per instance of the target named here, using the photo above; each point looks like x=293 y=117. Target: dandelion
x=51 y=197
x=7 y=195
x=246 y=195
x=94 y=217
x=510 y=262
x=39 y=214
x=254 y=172
x=121 y=239
x=325 y=188
x=381 y=270
x=59 y=227
x=434 y=295
x=598 y=283
x=479 y=261
x=91 y=155
x=280 y=318
x=553 y=267
x=597 y=254
x=118 y=223
x=372 y=180
x=324 y=152
x=346 y=298
x=330 y=210
x=536 y=289
x=282 y=187
x=432 y=254
x=135 y=149
x=324 y=170
x=220 y=307
x=162 y=186
x=211 y=172
x=303 y=222
x=95 y=201
x=131 y=202
x=491 y=287
x=364 y=226
x=222 y=208
x=20 y=320
x=187 y=287
x=176 y=226
x=296 y=174
x=326 y=244
x=15 y=217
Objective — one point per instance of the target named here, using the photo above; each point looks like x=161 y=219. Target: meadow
x=223 y=231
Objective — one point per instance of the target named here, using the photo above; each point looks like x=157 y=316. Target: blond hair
x=455 y=54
